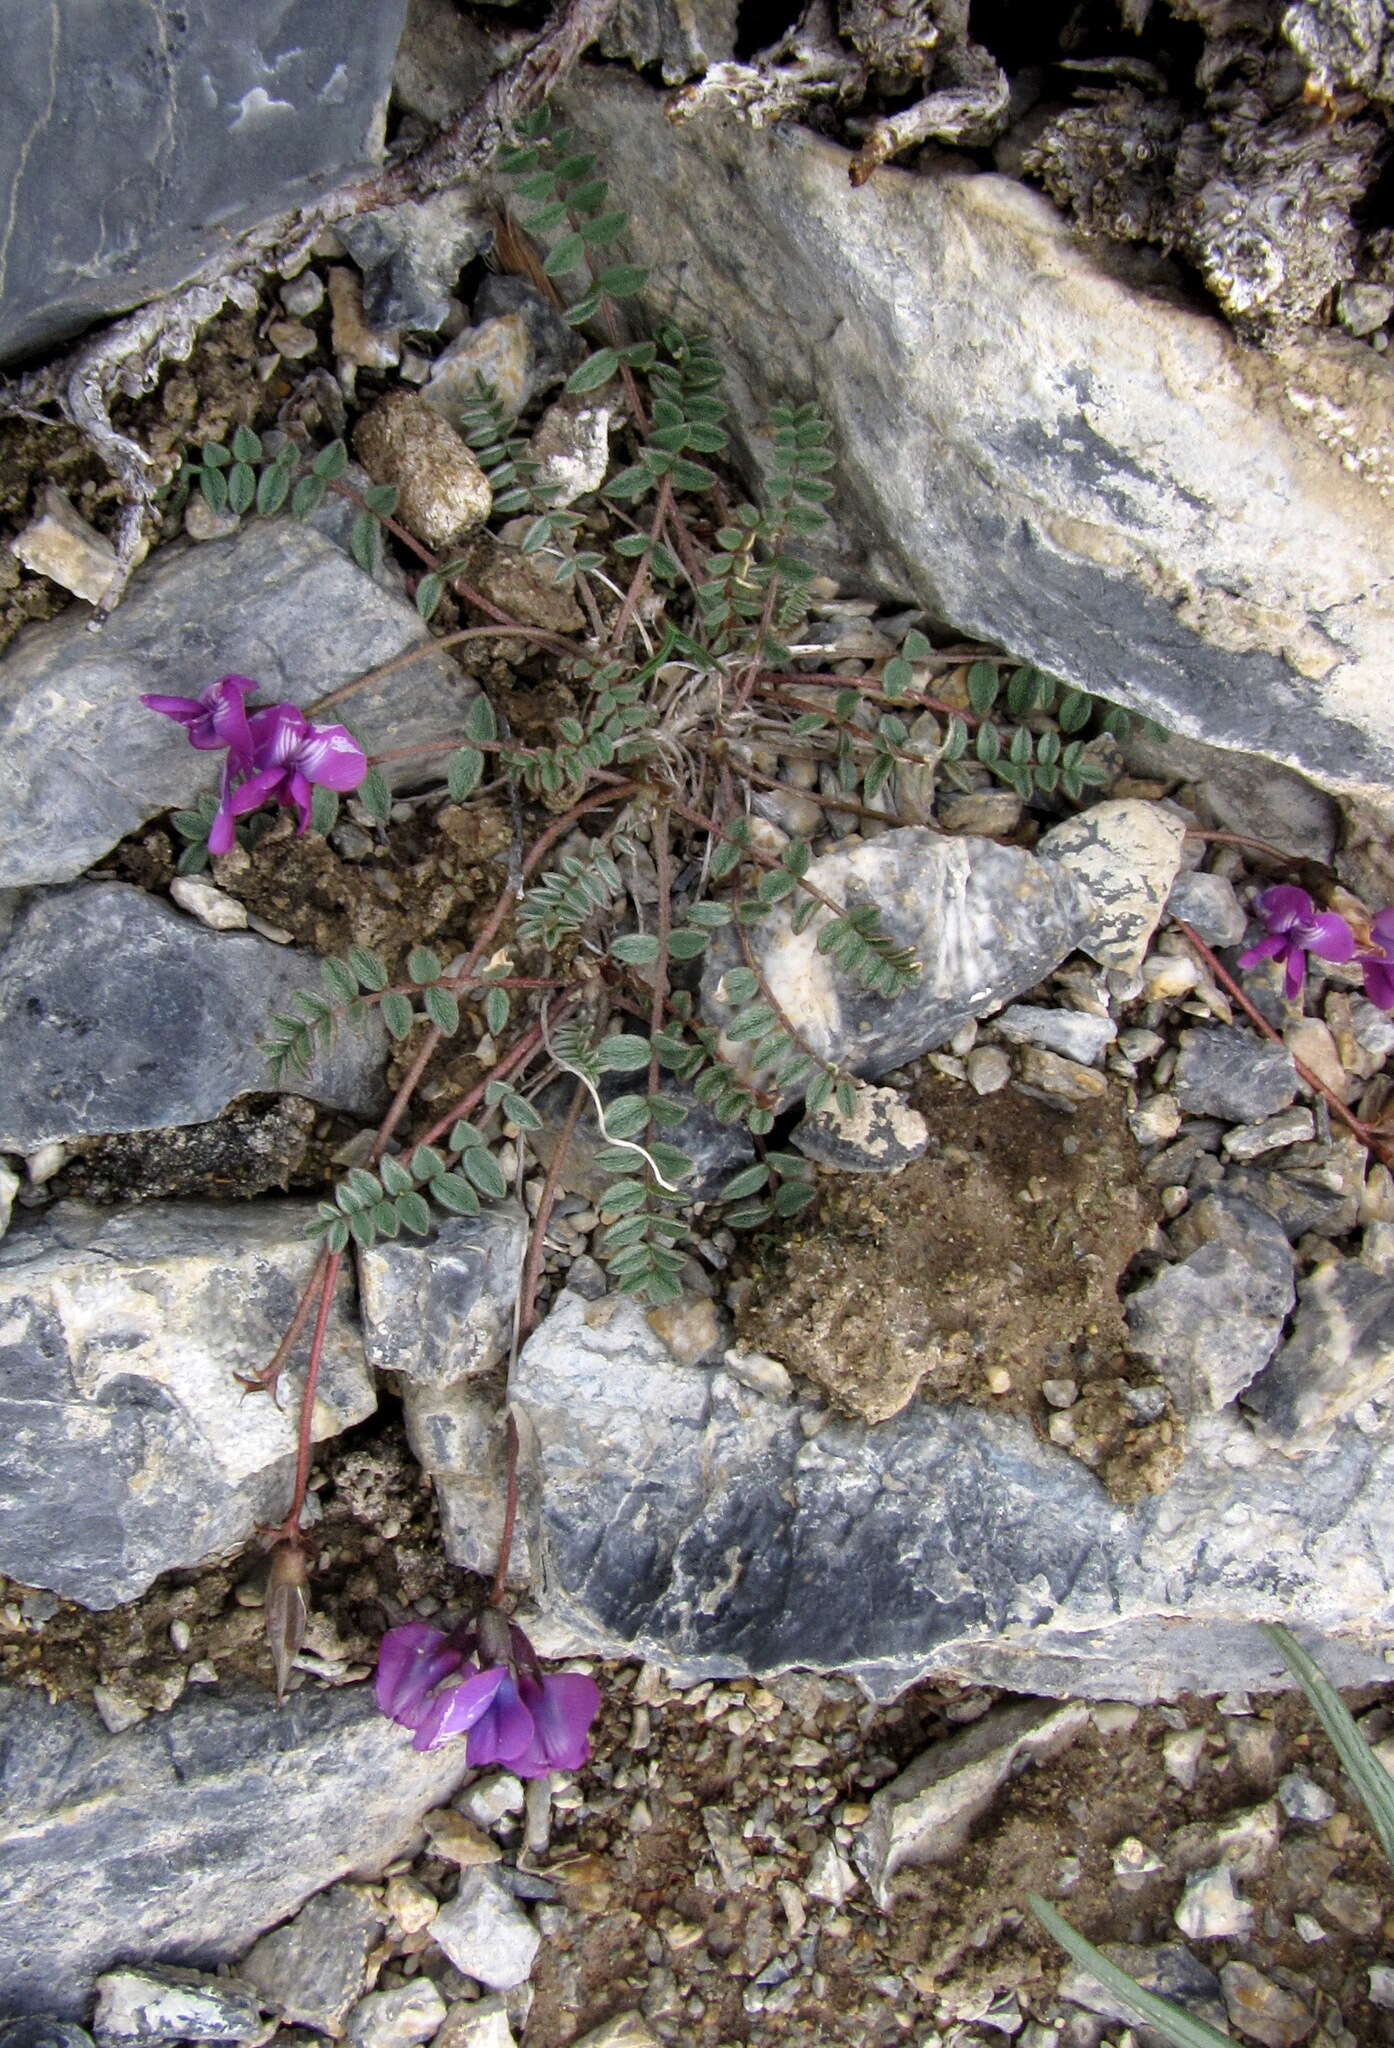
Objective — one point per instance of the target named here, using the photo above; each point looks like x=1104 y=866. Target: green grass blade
x=1179 y=2026
x=1373 y=1784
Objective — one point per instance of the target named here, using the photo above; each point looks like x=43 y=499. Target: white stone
x=1126 y=854
x=403 y=2018
x=209 y=904
x=1211 y=1909
x=61 y=545
x=486 y=1933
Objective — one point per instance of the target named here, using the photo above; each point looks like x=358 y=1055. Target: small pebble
x=292 y=340
x=1060 y=1393
x=303 y=294
x=208 y=903
x=1300 y=1799
x=988 y=1069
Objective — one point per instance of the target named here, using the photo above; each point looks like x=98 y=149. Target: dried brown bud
x=287 y=1609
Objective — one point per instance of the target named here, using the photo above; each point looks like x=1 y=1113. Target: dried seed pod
x=287 y=1609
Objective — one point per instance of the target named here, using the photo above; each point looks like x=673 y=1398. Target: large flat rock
x=683 y=1517
x=210 y=119
x=180 y=1840
x=118 y=1013
x=127 y=1446
x=82 y=762
x=1082 y=469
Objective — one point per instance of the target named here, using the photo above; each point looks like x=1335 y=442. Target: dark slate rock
x=42 y=2030
x=1225 y=1070
x=684 y=1517
x=1168 y=1969
x=127 y=1447
x=82 y=763
x=181 y=1840
x=1210 y=1323
x=1300 y=1202
x=986 y=922
x=118 y=1013
x=411 y=257
x=1341 y=1351
x=210 y=120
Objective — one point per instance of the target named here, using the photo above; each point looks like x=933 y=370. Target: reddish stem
x=304 y=1442
x=1366 y=1133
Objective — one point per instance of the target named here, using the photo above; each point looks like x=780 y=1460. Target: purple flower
x=1377 y=964
x=216 y=719
x=286 y=757
x=510 y=1712
x=1295 y=927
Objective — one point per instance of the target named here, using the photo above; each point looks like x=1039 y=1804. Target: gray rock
x=440 y=1311
x=1125 y=856
x=59 y=543
x=182 y=1839
x=1168 y=1969
x=555 y=347
x=1242 y=792
x=882 y=1134
x=456 y=1435
x=136 y=2007
x=1211 y=1909
x=1274 y=1134
x=486 y=1933
x=443 y=62
x=985 y=922
x=678 y=37
x=1208 y=1325
x=42 y=2030
x=83 y=763
x=679 y=1515
x=1361 y=308
x=1226 y=1070
x=1211 y=1323
x=209 y=124
x=127 y=1447
x=397 y=2019
x=1341 y=1351
x=1300 y=1799
x=716 y=1150
x=311 y=1971
x=926 y=1814
x=1303 y=1203
x=412 y=255
x=1074 y=1034
x=119 y=1014
x=1209 y=905
x=1093 y=443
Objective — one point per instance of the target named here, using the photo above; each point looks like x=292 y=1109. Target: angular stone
x=1212 y=1910
x=1046 y=1073
x=1211 y=1323
x=1209 y=906
x=1274 y=1134
x=159 y=2003
x=456 y=1435
x=441 y=1311
x=486 y=1933
x=442 y=493
x=1341 y=1351
x=210 y=123
x=571 y=447
x=1074 y=1034
x=1094 y=443
x=412 y=255
x=679 y=37
x=926 y=1814
x=310 y=1972
x=60 y=544
x=1167 y=1968
x=985 y=922
x=1226 y=1070
x=119 y=1014
x=245 y=1809
x=42 y=2030
x=1125 y=856
x=1262 y=2010
x=499 y=351
x=397 y=2019
x=678 y=1515
x=482 y=2024
x=882 y=1134
x=83 y=763
x=127 y=1447
x=717 y=1150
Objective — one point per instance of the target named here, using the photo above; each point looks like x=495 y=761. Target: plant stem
x=510 y=1511
x=663 y=863
x=304 y=1442
x=1368 y=1135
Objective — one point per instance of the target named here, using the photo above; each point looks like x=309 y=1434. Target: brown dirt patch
x=985 y=1270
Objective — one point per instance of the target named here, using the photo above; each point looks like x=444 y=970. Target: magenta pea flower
x=216 y=719
x=1295 y=928
x=509 y=1710
x=1377 y=964
x=287 y=757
